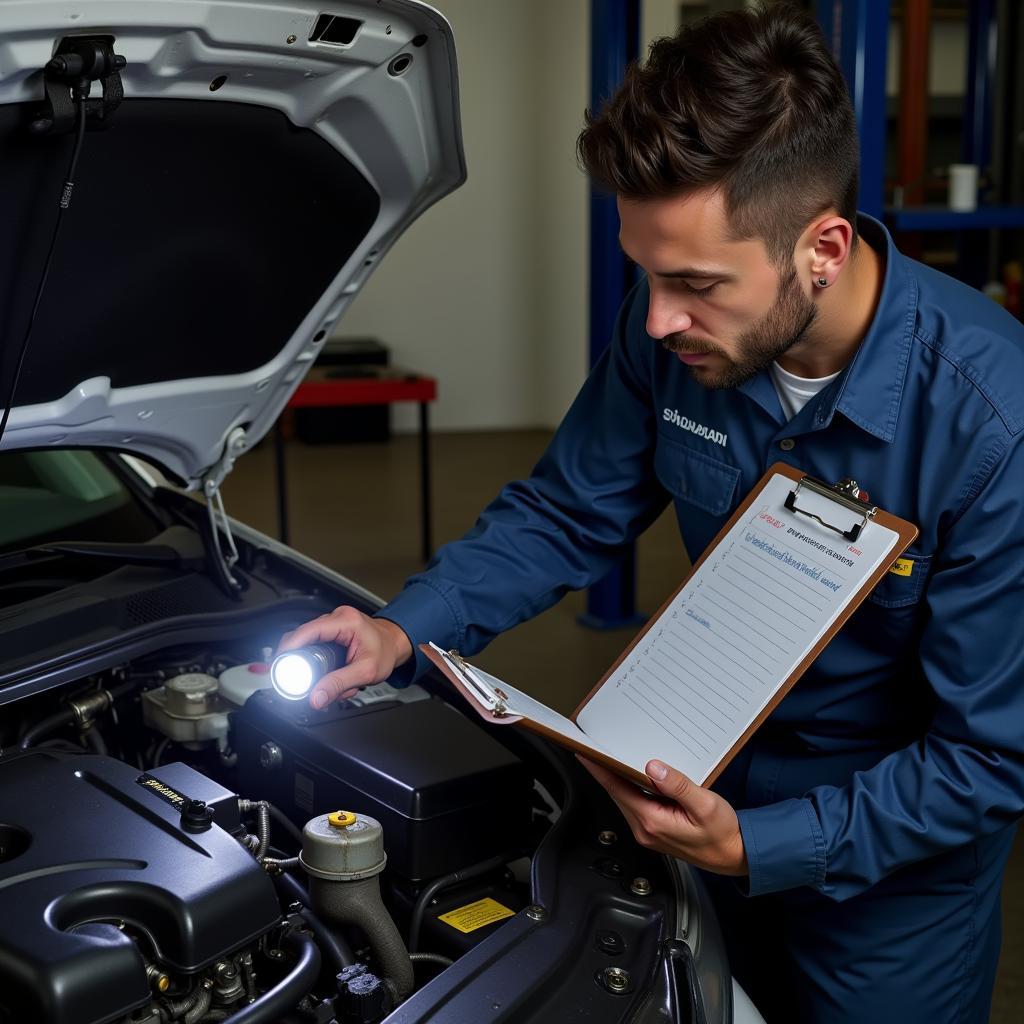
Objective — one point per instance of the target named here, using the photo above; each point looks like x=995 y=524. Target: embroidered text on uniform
x=673 y=416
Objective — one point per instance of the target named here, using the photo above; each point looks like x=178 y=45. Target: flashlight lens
x=292 y=676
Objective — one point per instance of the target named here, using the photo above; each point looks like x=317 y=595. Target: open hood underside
x=265 y=157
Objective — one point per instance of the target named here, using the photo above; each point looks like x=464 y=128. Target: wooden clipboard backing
x=906 y=532
x=591 y=753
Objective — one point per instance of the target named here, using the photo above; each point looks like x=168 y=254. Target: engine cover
x=88 y=842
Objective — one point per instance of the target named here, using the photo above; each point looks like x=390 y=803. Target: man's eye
x=700 y=291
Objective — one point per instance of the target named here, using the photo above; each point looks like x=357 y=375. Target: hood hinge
x=220 y=525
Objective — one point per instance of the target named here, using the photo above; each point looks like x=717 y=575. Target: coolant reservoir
x=239 y=683
x=343 y=847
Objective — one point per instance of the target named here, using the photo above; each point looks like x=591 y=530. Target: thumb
x=674 y=784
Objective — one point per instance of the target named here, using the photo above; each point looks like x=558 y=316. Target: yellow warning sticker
x=902 y=567
x=476 y=915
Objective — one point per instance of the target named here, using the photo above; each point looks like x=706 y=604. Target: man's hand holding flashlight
x=376 y=647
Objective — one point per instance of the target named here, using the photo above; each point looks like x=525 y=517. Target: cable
x=285 y=822
x=431 y=958
x=65 y=202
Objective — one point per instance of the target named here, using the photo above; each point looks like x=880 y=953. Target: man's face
x=718 y=304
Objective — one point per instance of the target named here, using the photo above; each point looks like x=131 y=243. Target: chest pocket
x=899 y=590
x=696 y=478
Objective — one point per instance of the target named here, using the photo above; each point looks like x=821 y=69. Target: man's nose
x=665 y=317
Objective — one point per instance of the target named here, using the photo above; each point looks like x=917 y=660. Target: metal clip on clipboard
x=845 y=493
x=494 y=697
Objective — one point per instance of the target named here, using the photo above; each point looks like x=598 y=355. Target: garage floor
x=356 y=508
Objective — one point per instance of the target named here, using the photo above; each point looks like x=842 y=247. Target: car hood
x=265 y=156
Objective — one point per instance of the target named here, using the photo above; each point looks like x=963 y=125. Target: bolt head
x=607 y=837
x=271 y=757
x=536 y=913
x=615 y=980
x=291 y=39
x=640 y=887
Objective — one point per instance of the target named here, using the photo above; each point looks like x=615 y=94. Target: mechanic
x=855 y=848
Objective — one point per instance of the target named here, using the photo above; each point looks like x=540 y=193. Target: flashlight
x=295 y=673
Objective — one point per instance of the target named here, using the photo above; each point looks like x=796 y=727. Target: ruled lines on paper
x=731 y=637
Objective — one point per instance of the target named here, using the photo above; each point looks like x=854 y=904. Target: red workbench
x=382 y=386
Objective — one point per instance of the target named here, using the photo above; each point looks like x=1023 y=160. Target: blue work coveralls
x=878 y=802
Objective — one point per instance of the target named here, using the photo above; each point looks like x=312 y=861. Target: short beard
x=774 y=334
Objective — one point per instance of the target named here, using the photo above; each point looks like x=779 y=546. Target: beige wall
x=488 y=290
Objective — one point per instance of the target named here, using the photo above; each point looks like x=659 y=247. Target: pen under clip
x=495 y=698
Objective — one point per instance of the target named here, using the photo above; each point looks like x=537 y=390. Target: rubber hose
x=285 y=864
x=197 y=1012
x=423 y=900
x=49 y=724
x=358 y=903
x=177 y=1007
x=332 y=946
x=277 y=1001
x=94 y=740
x=285 y=822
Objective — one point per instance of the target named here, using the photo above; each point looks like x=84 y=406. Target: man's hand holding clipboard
x=780 y=579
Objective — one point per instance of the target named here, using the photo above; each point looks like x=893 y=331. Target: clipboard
x=838 y=514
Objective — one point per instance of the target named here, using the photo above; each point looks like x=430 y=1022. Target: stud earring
x=822 y=282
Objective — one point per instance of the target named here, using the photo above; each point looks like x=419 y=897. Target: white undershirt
x=795 y=392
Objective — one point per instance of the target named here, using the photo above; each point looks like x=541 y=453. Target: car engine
x=177 y=843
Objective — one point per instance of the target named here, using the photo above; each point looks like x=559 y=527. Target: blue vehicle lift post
x=614 y=42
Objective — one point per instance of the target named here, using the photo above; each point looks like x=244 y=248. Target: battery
x=447 y=794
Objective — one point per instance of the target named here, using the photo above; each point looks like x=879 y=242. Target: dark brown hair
x=749 y=101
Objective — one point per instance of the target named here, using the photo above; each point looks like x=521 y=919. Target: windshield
x=66 y=495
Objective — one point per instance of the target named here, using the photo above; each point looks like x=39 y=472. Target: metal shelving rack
x=858 y=31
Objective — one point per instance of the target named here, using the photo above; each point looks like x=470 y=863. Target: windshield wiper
x=157 y=555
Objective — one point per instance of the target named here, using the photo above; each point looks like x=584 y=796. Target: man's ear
x=824 y=249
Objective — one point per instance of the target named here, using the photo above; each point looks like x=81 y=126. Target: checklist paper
x=761 y=603
x=736 y=631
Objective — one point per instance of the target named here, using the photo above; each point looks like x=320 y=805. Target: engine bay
x=179 y=843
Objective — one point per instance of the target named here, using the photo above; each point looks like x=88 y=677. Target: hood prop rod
x=224 y=551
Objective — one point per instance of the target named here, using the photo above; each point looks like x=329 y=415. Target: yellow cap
x=163 y=983
x=341 y=819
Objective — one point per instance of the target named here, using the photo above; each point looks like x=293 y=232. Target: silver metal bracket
x=220 y=525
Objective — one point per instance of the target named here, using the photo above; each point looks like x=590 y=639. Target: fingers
x=337 y=627
x=343 y=683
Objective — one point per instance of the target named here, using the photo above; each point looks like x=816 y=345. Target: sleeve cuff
x=423 y=614
x=784 y=845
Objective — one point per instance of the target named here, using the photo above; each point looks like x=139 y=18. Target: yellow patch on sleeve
x=476 y=915
x=902 y=567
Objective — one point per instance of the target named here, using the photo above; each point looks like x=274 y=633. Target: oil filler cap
x=341 y=819
x=196 y=816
